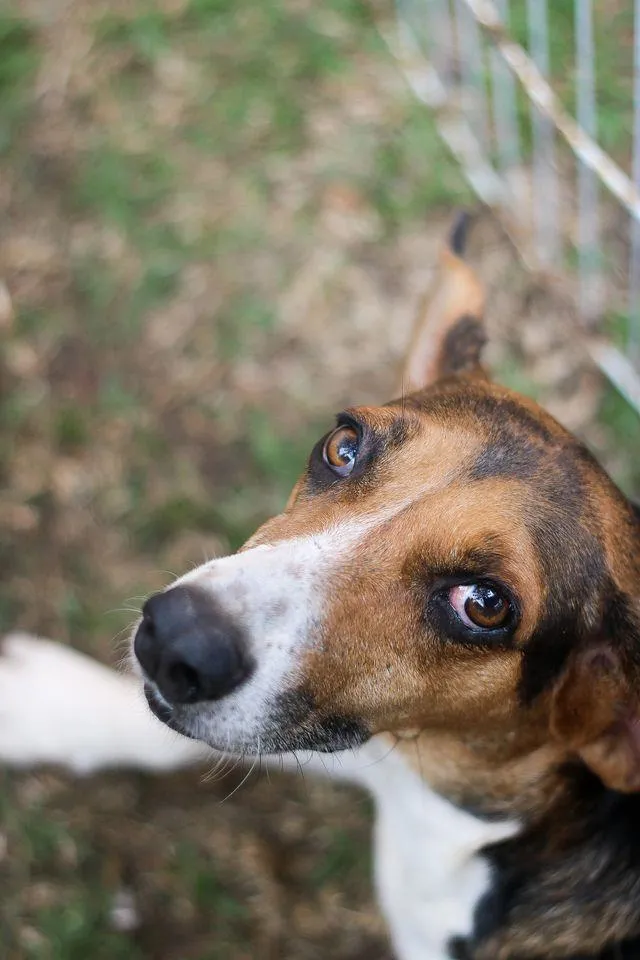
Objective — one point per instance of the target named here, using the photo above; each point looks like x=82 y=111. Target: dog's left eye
x=482 y=605
x=340 y=450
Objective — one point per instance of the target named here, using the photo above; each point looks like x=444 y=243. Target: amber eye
x=340 y=450
x=481 y=605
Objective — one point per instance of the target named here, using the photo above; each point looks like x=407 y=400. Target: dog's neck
x=499 y=778
x=566 y=875
x=570 y=879
x=430 y=873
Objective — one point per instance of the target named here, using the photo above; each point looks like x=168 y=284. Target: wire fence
x=539 y=100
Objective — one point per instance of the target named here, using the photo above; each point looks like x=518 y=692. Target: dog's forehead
x=483 y=458
x=448 y=470
x=479 y=429
x=410 y=444
x=485 y=407
x=448 y=441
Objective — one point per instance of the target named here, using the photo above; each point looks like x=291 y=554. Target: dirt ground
x=215 y=221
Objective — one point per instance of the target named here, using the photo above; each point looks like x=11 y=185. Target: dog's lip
x=163 y=710
x=157 y=704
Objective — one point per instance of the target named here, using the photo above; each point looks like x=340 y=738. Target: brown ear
x=448 y=335
x=596 y=714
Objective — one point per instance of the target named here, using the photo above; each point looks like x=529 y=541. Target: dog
x=446 y=612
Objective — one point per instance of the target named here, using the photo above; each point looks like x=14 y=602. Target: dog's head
x=452 y=562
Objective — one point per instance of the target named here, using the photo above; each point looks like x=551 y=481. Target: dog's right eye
x=341 y=449
x=481 y=605
x=478 y=612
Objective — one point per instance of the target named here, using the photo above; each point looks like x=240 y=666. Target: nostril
x=194 y=670
x=184 y=681
x=147 y=623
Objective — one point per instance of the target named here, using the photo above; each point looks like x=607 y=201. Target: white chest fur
x=430 y=874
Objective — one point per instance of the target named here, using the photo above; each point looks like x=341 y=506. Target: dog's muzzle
x=189 y=648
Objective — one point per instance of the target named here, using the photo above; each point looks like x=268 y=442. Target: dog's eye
x=482 y=605
x=340 y=450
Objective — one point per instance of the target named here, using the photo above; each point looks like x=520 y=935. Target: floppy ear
x=596 y=714
x=448 y=336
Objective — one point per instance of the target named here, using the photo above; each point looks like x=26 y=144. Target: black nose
x=190 y=648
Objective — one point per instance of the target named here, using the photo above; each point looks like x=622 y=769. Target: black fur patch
x=508 y=455
x=545 y=657
x=462 y=346
x=450 y=404
x=459 y=233
x=575 y=872
x=457 y=949
x=295 y=724
x=496 y=410
x=575 y=588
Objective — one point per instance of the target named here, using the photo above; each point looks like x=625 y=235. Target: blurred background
x=216 y=219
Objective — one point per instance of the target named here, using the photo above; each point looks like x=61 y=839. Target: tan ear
x=596 y=715
x=448 y=335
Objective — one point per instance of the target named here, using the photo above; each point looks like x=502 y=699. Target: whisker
x=169 y=573
x=221 y=767
x=242 y=782
x=134 y=611
x=373 y=763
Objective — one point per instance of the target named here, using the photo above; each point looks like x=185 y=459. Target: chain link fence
x=539 y=101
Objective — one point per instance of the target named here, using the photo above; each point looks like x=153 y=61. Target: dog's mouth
x=290 y=725
x=164 y=711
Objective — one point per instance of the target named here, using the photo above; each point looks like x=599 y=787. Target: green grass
x=71 y=429
x=622 y=439
x=263 y=61
x=124 y=188
x=78 y=930
x=241 y=316
x=278 y=458
x=18 y=62
x=76 y=925
x=511 y=375
x=272 y=462
x=205 y=889
x=343 y=861
x=147 y=35
x=412 y=171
